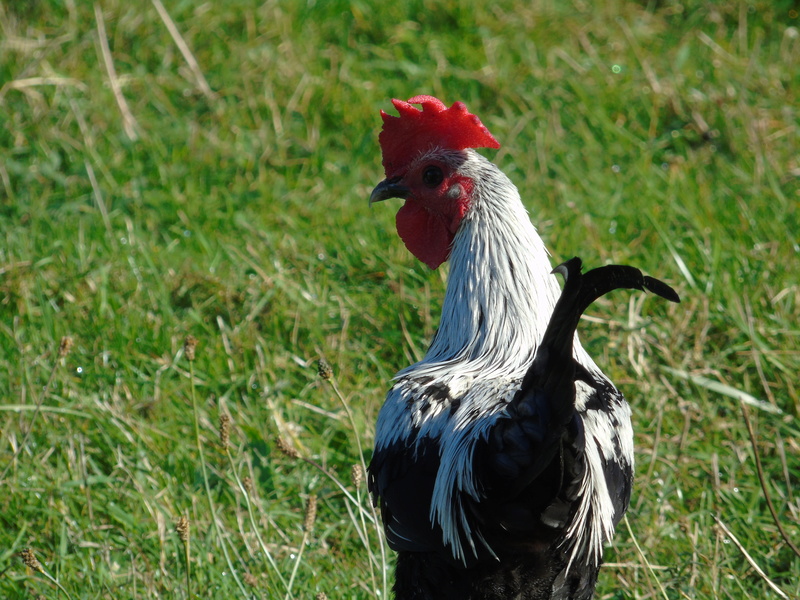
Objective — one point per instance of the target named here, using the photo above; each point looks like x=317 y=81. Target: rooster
x=504 y=458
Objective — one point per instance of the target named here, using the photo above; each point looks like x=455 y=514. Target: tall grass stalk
x=275 y=570
x=223 y=544
x=326 y=373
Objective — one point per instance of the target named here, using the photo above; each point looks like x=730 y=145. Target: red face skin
x=435 y=206
x=432 y=214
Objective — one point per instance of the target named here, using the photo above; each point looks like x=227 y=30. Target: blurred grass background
x=203 y=169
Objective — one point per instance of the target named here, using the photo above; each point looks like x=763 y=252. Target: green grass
x=660 y=134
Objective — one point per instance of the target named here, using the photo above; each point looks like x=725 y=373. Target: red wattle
x=425 y=234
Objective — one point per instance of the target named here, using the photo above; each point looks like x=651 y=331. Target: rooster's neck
x=500 y=292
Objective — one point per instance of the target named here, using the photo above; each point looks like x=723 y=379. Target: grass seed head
x=65 y=346
x=287 y=448
x=321 y=596
x=311 y=514
x=224 y=430
x=182 y=527
x=357 y=475
x=324 y=369
x=189 y=347
x=247 y=482
x=30 y=560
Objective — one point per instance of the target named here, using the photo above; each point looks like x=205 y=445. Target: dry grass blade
x=101 y=205
x=246 y=488
x=309 y=519
x=189 y=346
x=185 y=51
x=128 y=121
x=762 y=480
x=726 y=390
x=64 y=348
x=21 y=84
x=649 y=568
x=749 y=558
x=326 y=373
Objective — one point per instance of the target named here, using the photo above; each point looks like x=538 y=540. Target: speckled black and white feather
x=485 y=481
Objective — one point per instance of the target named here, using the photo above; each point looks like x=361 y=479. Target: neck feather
x=500 y=292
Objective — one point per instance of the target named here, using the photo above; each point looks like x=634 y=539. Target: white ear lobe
x=455 y=191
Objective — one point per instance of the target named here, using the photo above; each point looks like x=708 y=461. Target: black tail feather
x=602 y=280
x=582 y=289
x=529 y=456
x=554 y=368
x=545 y=402
x=658 y=287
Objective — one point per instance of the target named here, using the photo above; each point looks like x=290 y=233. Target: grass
x=203 y=169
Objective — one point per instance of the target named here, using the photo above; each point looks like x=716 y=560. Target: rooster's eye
x=432 y=176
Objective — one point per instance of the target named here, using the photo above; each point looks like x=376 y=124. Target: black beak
x=389 y=188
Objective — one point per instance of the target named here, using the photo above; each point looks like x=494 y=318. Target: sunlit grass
x=658 y=134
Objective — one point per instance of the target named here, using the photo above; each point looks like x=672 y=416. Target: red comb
x=403 y=138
